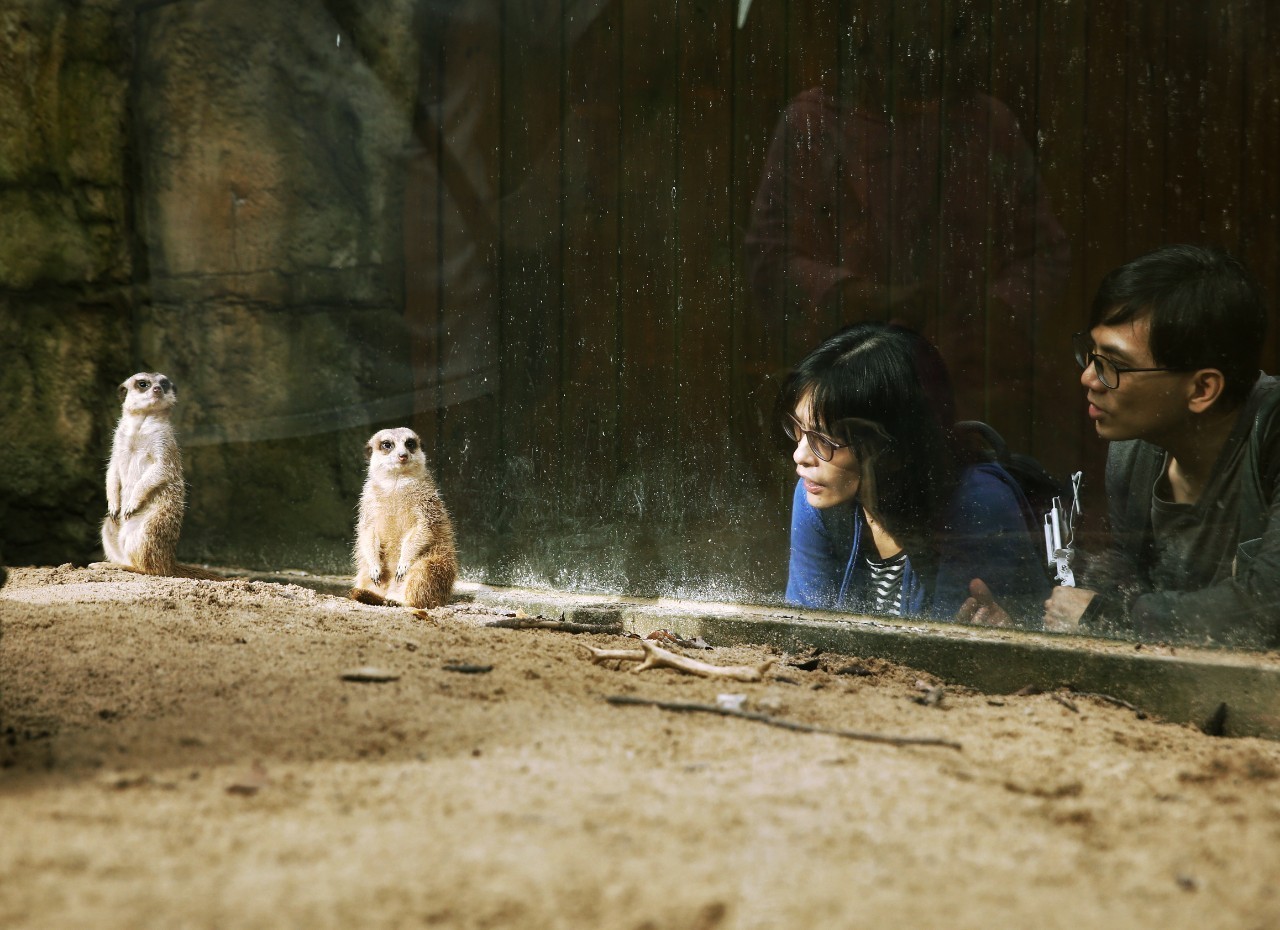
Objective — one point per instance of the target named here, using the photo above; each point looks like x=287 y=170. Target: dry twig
x=654 y=656
x=562 y=625
x=681 y=706
x=1065 y=702
x=1112 y=699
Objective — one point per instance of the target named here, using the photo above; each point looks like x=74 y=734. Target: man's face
x=1146 y=405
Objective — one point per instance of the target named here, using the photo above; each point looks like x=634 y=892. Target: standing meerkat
x=404 y=551
x=146 y=496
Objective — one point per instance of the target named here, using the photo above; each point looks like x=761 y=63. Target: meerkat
x=404 y=550
x=146 y=494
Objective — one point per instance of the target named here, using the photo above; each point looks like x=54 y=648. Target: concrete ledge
x=1180 y=684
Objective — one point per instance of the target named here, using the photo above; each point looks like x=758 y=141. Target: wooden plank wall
x=615 y=150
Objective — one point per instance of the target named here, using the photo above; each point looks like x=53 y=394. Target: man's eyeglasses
x=1108 y=372
x=823 y=446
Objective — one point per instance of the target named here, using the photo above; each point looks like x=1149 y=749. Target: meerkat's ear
x=368 y=450
x=123 y=391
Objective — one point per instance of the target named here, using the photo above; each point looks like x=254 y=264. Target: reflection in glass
x=905 y=194
x=576 y=247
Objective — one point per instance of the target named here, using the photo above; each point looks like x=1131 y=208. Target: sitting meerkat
x=146 y=496
x=404 y=550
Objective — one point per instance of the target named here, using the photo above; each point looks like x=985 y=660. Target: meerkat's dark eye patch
x=164 y=384
x=143 y=384
x=386 y=445
x=411 y=445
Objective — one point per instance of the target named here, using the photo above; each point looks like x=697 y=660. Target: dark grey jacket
x=1192 y=581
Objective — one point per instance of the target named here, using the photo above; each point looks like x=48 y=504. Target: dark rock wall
x=209 y=188
x=66 y=267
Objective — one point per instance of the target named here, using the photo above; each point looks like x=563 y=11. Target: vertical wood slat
x=759 y=357
x=648 y=201
x=1260 y=153
x=958 y=321
x=1222 y=129
x=967 y=201
x=1103 y=169
x=471 y=140
x=1102 y=162
x=703 y=260
x=592 y=254
x=1010 y=368
x=422 y=243
x=1059 y=425
x=1146 y=83
x=1186 y=53
x=721 y=521
x=812 y=31
x=530 y=243
x=422 y=213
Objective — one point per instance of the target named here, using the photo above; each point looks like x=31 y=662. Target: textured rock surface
x=64 y=72
x=212 y=190
x=65 y=267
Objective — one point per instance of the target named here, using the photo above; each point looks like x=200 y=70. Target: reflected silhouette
x=475 y=196
x=906 y=194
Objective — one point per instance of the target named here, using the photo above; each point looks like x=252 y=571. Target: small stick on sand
x=654 y=656
x=600 y=656
x=1068 y=704
x=681 y=706
x=1112 y=699
x=562 y=625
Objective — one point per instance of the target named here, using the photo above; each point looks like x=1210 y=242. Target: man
x=1170 y=371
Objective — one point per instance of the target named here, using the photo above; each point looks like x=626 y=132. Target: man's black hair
x=1206 y=311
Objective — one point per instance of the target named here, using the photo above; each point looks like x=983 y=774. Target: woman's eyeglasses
x=823 y=446
x=1108 y=372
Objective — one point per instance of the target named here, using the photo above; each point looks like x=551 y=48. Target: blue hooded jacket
x=985 y=535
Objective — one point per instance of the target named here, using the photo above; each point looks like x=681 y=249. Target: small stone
x=369 y=673
x=730 y=701
x=466 y=668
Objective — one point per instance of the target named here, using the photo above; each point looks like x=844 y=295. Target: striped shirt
x=884 y=591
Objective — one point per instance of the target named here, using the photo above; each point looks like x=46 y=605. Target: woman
x=886 y=517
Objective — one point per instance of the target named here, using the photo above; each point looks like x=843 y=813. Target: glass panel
x=578 y=247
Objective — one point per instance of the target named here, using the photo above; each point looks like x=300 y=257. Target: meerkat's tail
x=430 y=580
x=365 y=596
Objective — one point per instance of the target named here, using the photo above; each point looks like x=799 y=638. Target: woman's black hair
x=1206 y=311
x=885 y=391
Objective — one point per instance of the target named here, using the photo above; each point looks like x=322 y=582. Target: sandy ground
x=183 y=753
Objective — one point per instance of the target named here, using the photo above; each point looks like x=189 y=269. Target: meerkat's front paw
x=401 y=570
x=375 y=574
x=113 y=516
